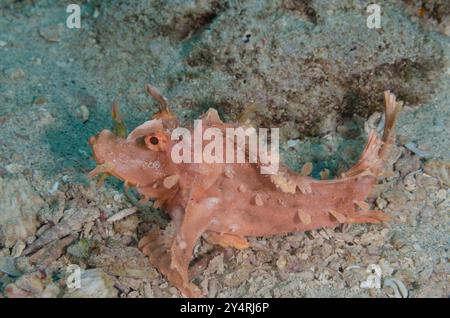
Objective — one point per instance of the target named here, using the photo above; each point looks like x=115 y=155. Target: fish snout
x=105 y=135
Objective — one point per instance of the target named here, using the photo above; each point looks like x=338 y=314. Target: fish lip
x=104 y=139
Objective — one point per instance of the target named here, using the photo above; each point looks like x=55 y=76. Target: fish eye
x=154 y=140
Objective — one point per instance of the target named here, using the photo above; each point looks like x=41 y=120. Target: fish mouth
x=99 y=144
x=116 y=156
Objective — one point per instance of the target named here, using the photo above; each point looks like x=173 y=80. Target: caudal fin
x=391 y=110
x=376 y=150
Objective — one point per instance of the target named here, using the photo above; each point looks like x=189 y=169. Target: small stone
x=441 y=194
x=18 y=248
x=307 y=169
x=122 y=214
x=306 y=275
x=127 y=226
x=410 y=182
x=14 y=168
x=23 y=264
x=50 y=253
x=32 y=283
x=2 y=43
x=12 y=291
x=51 y=291
x=381 y=203
x=324 y=174
x=40 y=100
x=51 y=33
x=19 y=206
x=292 y=143
x=8 y=266
x=407 y=164
x=428 y=212
x=17 y=74
x=80 y=249
x=413 y=148
x=86 y=99
x=242 y=188
x=281 y=262
x=134 y=294
x=122 y=261
x=148 y=291
x=83 y=113
x=95 y=283
x=326 y=250
x=213 y=286
x=399 y=289
x=42 y=229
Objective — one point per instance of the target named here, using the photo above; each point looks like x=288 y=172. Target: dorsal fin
x=168 y=118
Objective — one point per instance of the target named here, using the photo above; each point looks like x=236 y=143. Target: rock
x=381 y=203
x=292 y=143
x=441 y=194
x=51 y=33
x=29 y=285
x=83 y=113
x=428 y=212
x=413 y=148
x=127 y=226
x=39 y=100
x=32 y=283
x=134 y=294
x=397 y=286
x=12 y=291
x=95 y=283
x=237 y=277
x=410 y=182
x=48 y=254
x=8 y=266
x=50 y=291
x=213 y=287
x=122 y=261
x=306 y=275
x=18 y=248
x=19 y=206
x=71 y=222
x=281 y=262
x=440 y=170
x=427 y=182
x=148 y=290
x=16 y=74
x=407 y=164
x=406 y=276
x=216 y=265
x=80 y=249
x=86 y=99
x=23 y=264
